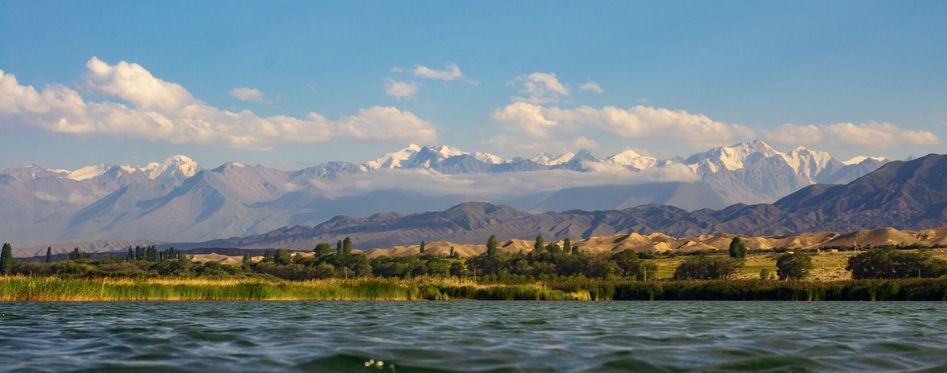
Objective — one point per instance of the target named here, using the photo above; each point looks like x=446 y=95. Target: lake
x=473 y=336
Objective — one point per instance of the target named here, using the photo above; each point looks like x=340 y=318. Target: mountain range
x=900 y=194
x=177 y=200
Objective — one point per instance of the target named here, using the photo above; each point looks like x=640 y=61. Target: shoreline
x=56 y=289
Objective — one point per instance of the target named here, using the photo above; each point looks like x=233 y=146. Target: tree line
x=544 y=261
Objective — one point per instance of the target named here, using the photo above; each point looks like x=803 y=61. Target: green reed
x=22 y=288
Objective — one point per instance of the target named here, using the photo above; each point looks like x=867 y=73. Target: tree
x=421 y=248
x=492 y=245
x=567 y=245
x=538 y=245
x=737 y=248
x=49 y=254
x=322 y=249
x=706 y=268
x=282 y=257
x=6 y=259
x=247 y=260
x=795 y=266
x=347 y=246
x=886 y=262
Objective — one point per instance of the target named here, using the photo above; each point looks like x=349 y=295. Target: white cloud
x=540 y=88
x=247 y=94
x=860 y=135
x=132 y=83
x=399 y=89
x=450 y=72
x=143 y=106
x=554 y=125
x=591 y=86
x=480 y=186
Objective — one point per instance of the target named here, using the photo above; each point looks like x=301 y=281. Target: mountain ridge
x=178 y=200
x=903 y=195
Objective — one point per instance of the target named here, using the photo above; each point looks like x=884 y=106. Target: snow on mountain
x=631 y=158
x=414 y=156
x=549 y=159
x=806 y=162
x=862 y=158
x=729 y=158
x=108 y=202
x=393 y=159
x=177 y=167
x=87 y=172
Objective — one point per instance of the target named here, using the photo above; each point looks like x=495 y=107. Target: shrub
x=737 y=248
x=795 y=266
x=706 y=268
x=887 y=262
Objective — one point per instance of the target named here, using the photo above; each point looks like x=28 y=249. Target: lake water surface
x=473 y=336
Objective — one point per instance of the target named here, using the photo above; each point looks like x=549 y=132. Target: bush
x=737 y=248
x=887 y=262
x=795 y=266
x=706 y=268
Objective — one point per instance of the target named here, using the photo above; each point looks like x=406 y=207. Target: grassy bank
x=78 y=289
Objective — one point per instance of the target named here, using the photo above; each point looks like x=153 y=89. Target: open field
x=62 y=289
x=827 y=265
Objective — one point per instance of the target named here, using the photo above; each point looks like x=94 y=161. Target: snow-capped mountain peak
x=549 y=159
x=632 y=158
x=394 y=159
x=87 y=172
x=862 y=158
x=178 y=166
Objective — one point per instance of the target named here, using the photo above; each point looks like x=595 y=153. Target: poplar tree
x=421 y=248
x=6 y=259
x=538 y=245
x=347 y=246
x=492 y=245
x=49 y=254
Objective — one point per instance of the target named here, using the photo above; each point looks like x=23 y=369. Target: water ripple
x=473 y=336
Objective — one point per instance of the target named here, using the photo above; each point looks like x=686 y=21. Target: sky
x=293 y=84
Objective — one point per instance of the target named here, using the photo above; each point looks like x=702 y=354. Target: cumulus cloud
x=247 y=94
x=540 y=88
x=561 y=126
x=862 y=135
x=399 y=89
x=140 y=105
x=591 y=86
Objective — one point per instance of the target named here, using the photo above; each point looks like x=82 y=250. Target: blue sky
x=852 y=78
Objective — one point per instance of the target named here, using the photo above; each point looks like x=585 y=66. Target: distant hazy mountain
x=903 y=195
x=177 y=200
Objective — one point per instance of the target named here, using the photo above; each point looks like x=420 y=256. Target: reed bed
x=22 y=288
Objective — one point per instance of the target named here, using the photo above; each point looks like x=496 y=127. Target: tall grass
x=81 y=289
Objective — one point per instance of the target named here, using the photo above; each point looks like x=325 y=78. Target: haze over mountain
x=901 y=194
x=176 y=200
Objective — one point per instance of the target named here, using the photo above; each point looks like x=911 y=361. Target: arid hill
x=658 y=242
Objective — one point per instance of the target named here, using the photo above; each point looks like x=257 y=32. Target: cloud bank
x=140 y=105
x=562 y=127
x=862 y=135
